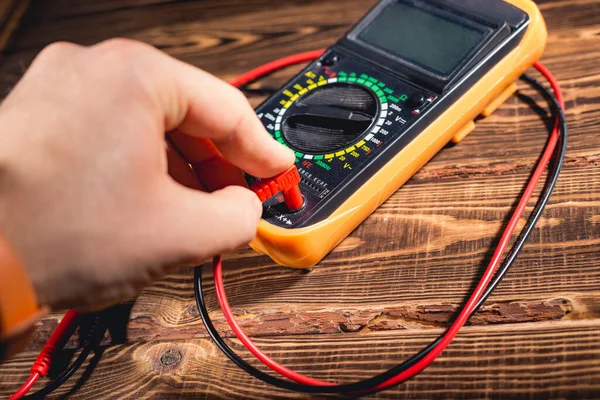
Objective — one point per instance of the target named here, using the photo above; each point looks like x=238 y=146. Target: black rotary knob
x=416 y=100
x=329 y=118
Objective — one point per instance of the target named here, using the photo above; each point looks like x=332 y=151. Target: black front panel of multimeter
x=350 y=112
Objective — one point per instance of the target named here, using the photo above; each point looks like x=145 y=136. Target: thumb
x=200 y=225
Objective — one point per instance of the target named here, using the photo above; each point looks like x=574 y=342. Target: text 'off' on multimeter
x=411 y=76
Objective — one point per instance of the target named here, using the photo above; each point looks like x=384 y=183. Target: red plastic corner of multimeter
x=287 y=183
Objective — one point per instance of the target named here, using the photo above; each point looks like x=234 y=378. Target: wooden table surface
x=393 y=285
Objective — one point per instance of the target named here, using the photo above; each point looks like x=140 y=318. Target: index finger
x=198 y=104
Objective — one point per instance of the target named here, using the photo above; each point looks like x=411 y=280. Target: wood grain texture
x=391 y=286
x=11 y=12
x=550 y=360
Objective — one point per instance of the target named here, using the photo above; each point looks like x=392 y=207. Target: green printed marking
x=381 y=84
x=299 y=155
x=364 y=76
x=371 y=79
x=388 y=90
x=394 y=99
x=404 y=97
x=323 y=165
x=319 y=157
x=361 y=81
x=342 y=73
x=280 y=140
x=352 y=73
x=379 y=92
x=352 y=79
x=277 y=134
x=342 y=79
x=368 y=84
x=383 y=100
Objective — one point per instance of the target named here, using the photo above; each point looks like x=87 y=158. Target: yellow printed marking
x=311 y=87
x=321 y=83
x=294 y=97
x=288 y=93
x=297 y=86
x=359 y=144
x=322 y=78
x=310 y=74
x=340 y=153
x=350 y=149
x=287 y=105
x=302 y=92
x=327 y=156
x=310 y=82
x=282 y=102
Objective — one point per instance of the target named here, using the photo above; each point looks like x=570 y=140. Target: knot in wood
x=191 y=311
x=171 y=357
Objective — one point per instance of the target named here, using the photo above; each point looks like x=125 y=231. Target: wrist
x=19 y=310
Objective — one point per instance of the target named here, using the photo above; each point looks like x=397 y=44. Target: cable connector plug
x=287 y=183
x=57 y=340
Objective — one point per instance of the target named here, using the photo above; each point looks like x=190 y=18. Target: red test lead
x=57 y=340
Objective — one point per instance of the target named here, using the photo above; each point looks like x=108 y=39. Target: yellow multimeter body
x=370 y=58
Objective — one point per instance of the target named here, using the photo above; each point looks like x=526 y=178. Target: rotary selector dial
x=330 y=118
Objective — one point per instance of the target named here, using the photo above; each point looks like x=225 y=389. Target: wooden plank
x=11 y=12
x=417 y=268
x=552 y=360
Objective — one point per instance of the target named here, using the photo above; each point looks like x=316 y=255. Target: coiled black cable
x=369 y=385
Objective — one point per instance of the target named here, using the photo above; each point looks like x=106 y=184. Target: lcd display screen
x=421 y=37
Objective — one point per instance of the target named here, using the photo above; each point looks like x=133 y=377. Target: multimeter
x=408 y=78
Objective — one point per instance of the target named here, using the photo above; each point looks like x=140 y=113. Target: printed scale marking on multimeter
x=350 y=112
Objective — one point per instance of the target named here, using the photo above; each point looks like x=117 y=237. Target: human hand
x=85 y=197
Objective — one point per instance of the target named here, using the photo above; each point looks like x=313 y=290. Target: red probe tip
x=287 y=183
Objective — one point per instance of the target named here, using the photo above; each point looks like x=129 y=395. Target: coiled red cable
x=273 y=66
x=26 y=387
x=470 y=304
